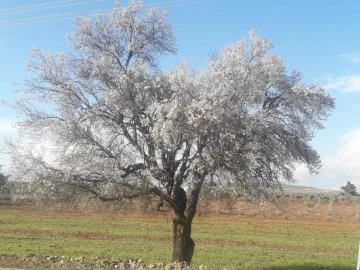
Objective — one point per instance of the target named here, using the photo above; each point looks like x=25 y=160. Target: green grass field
x=221 y=241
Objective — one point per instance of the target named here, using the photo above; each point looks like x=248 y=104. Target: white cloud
x=6 y=127
x=349 y=83
x=352 y=56
x=338 y=169
x=349 y=153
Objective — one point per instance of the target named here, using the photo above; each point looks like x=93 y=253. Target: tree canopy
x=119 y=126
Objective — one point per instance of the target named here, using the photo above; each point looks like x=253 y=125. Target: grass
x=221 y=241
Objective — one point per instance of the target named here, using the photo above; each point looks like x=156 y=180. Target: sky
x=319 y=38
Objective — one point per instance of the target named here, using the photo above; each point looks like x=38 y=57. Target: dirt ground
x=319 y=210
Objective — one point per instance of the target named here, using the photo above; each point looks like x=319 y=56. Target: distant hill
x=308 y=190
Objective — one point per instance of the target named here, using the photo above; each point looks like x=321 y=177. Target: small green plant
x=309 y=203
x=357 y=200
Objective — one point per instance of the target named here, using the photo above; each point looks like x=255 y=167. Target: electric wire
x=35 y=5
x=49 y=7
x=49 y=16
x=71 y=15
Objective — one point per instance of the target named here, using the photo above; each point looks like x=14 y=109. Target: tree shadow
x=310 y=267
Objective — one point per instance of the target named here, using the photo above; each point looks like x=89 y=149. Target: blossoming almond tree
x=121 y=128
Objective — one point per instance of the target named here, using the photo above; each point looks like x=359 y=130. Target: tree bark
x=183 y=245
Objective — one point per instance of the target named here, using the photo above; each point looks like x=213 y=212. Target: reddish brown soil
x=315 y=210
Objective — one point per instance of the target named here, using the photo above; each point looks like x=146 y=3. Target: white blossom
x=116 y=120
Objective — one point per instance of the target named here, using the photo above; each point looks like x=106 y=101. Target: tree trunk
x=183 y=245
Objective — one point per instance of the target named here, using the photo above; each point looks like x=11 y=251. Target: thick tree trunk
x=183 y=245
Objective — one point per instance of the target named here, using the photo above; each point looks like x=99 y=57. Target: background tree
x=350 y=189
x=118 y=127
x=3 y=179
x=4 y=187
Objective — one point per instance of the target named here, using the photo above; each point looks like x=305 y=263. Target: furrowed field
x=306 y=239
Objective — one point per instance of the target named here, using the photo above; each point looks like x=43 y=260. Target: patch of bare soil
x=309 y=210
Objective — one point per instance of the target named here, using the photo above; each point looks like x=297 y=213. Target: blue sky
x=320 y=38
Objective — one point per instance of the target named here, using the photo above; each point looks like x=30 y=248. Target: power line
x=42 y=21
x=55 y=17
x=63 y=16
x=45 y=17
x=50 y=4
x=35 y=5
x=49 y=7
